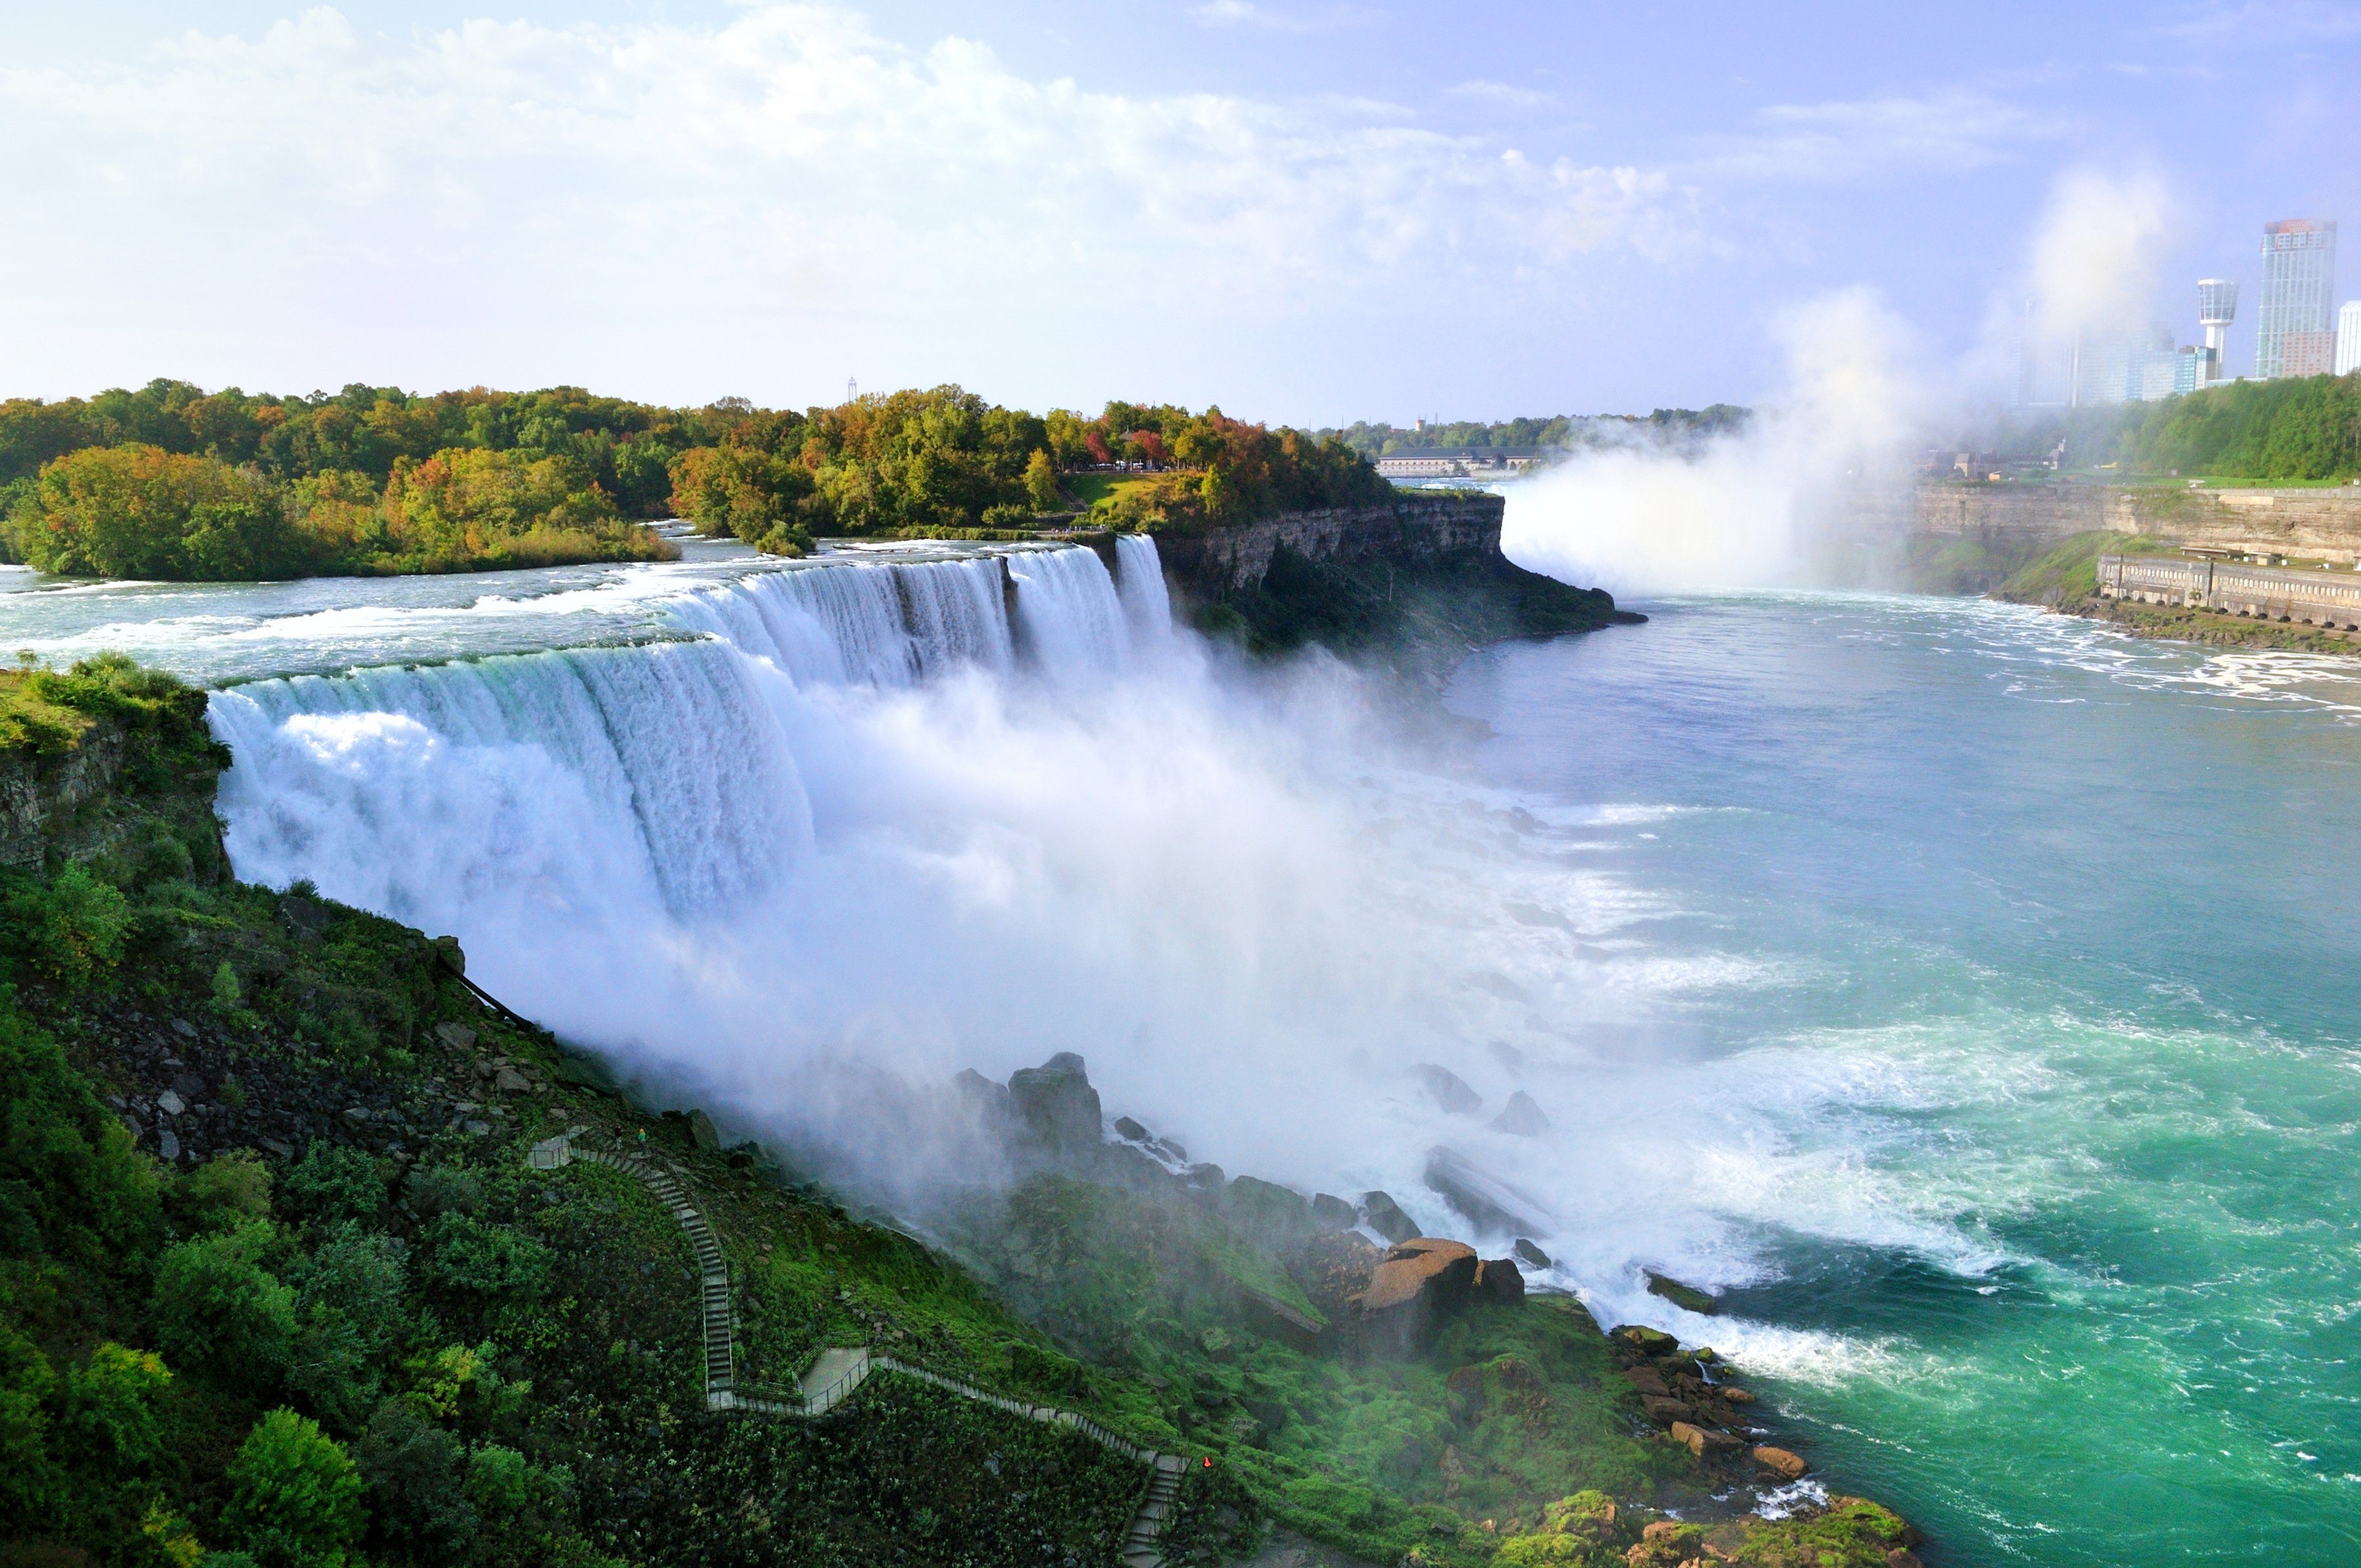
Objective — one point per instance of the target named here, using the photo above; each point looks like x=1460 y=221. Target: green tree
x=295 y=1499
x=138 y=510
x=418 y=1501
x=331 y=1184
x=67 y=930
x=111 y=1426
x=218 y=1309
x=1041 y=481
x=71 y=1185
x=349 y=1316
x=30 y=1477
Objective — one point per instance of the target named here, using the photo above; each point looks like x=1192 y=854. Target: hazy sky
x=1304 y=211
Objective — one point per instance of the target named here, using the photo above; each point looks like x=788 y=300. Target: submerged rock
x=1683 y=1296
x=1448 y=1090
x=1522 y=1117
x=1488 y=1202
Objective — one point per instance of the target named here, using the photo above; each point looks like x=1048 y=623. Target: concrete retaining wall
x=2268 y=593
x=2316 y=525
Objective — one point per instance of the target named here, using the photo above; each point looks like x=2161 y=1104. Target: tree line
x=2302 y=428
x=1570 y=431
x=172 y=481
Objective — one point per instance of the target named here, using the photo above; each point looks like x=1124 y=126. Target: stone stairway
x=837 y=1372
x=1138 y=1548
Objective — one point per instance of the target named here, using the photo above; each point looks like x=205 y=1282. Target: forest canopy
x=170 y=481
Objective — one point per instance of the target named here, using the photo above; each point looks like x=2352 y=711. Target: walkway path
x=836 y=1372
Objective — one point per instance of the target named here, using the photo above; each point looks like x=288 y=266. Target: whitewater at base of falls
x=867 y=830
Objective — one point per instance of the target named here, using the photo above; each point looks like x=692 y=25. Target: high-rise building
x=2348 y=338
x=2110 y=369
x=2294 y=335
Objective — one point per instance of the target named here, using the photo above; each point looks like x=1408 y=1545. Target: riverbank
x=2066 y=579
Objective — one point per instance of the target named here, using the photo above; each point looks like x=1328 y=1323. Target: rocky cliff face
x=1416 y=530
x=41 y=797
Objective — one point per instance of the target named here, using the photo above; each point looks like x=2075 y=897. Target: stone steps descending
x=839 y=1371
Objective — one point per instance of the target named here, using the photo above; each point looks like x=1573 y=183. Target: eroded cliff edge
x=1416 y=581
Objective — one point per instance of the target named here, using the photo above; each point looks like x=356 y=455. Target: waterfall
x=1073 y=620
x=888 y=624
x=607 y=783
x=1140 y=579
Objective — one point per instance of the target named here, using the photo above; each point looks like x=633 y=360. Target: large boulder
x=1055 y=1105
x=1424 y=1277
x=1500 y=1280
x=1448 y=1090
x=1386 y=1217
x=1491 y=1203
x=986 y=1101
x=1523 y=1117
x=1270 y=1213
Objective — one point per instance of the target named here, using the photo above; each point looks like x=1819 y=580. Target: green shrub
x=111 y=1426
x=218 y=1309
x=67 y=930
x=295 y=1500
x=223 y=1191
x=331 y=1185
x=30 y=1478
x=349 y=1315
x=418 y=1505
x=71 y=1187
x=492 y=1262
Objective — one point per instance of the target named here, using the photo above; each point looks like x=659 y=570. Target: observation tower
x=2217 y=303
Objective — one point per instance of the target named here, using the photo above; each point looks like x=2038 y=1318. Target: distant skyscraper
x=2294 y=335
x=2348 y=338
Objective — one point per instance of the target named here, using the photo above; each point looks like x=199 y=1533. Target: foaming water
x=2025 y=1162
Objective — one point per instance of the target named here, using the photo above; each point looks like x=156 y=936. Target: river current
x=1967 y=997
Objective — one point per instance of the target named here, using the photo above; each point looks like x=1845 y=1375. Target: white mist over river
x=1968 y=995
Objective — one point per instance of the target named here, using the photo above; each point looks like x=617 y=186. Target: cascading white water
x=888 y=625
x=1139 y=577
x=1073 y=623
x=595 y=783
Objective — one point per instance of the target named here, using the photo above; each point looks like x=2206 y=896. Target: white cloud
x=2275 y=25
x=1245 y=14
x=791 y=167
x=1954 y=130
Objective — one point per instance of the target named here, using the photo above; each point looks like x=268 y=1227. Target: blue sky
x=1310 y=212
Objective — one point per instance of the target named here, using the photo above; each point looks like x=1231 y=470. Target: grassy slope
x=2066 y=579
x=548 y=1314
x=511 y=1357
x=1453 y=1457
